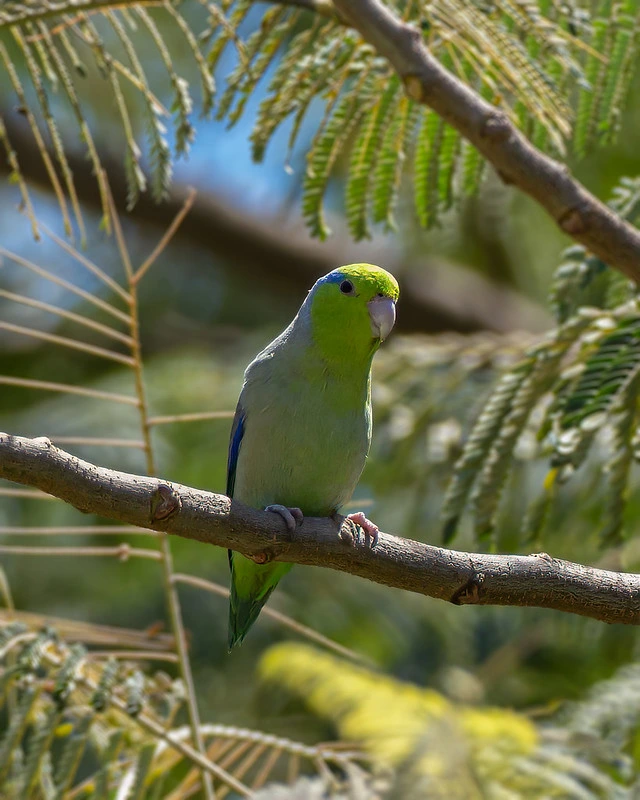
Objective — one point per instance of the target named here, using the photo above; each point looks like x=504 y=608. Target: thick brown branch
x=461 y=578
x=576 y=211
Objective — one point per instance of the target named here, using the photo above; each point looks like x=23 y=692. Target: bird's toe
x=292 y=516
x=371 y=530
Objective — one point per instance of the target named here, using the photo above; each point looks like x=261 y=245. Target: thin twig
x=92 y=633
x=66 y=388
x=86 y=322
x=283 y=619
x=74 y=530
x=166 y=238
x=98 y=441
x=5 y=591
x=166 y=558
x=63 y=284
x=65 y=341
x=87 y=263
x=195 y=417
x=134 y=655
x=123 y=551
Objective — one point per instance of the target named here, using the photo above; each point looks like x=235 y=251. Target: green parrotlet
x=302 y=427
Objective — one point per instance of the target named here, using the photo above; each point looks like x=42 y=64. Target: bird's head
x=352 y=310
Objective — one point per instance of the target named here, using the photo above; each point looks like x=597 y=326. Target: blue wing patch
x=237 y=432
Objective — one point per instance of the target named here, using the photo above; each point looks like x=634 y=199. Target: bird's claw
x=292 y=516
x=369 y=528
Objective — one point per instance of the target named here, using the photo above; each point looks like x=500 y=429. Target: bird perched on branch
x=302 y=427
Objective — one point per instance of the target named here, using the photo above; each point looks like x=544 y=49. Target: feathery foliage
x=74 y=721
x=560 y=72
x=53 y=687
x=440 y=749
x=82 y=725
x=52 y=51
x=581 y=380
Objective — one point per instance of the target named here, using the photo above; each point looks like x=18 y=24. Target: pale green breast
x=306 y=437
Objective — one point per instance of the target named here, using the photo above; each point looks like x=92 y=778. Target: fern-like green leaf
x=472 y=167
x=618 y=469
x=391 y=161
x=590 y=95
x=449 y=154
x=40 y=740
x=537 y=61
x=160 y=152
x=54 y=134
x=295 y=74
x=110 y=755
x=16 y=728
x=143 y=766
x=72 y=751
x=182 y=105
x=260 y=49
x=478 y=445
x=608 y=372
x=491 y=481
x=364 y=156
x=427 y=159
x=327 y=147
x=223 y=28
x=445 y=749
x=65 y=681
x=135 y=693
x=311 y=78
x=622 y=53
x=488 y=453
x=102 y=694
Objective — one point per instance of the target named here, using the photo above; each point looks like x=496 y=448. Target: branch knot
x=413 y=87
x=470 y=593
x=573 y=221
x=165 y=501
x=496 y=127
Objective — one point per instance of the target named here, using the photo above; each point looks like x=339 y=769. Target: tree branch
x=461 y=578
x=576 y=211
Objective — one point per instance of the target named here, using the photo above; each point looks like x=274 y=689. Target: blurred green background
x=474 y=291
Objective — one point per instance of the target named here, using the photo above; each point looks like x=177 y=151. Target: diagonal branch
x=461 y=578
x=576 y=211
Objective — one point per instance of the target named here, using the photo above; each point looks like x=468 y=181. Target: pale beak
x=382 y=311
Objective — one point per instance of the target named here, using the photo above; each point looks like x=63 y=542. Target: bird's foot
x=292 y=516
x=370 y=529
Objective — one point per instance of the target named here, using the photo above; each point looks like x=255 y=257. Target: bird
x=302 y=427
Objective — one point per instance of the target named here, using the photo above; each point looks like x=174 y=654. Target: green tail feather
x=242 y=615
x=251 y=586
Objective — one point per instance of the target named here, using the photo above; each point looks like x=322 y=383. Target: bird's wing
x=237 y=432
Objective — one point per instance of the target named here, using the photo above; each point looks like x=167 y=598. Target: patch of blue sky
x=196 y=265
x=220 y=159
x=219 y=162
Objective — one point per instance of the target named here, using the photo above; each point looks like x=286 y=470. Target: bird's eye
x=346 y=287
